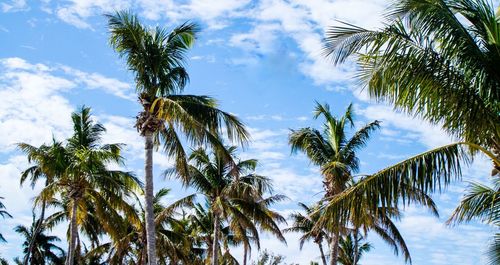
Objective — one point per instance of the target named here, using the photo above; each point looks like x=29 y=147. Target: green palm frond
x=401 y=184
x=436 y=59
x=493 y=251
x=480 y=203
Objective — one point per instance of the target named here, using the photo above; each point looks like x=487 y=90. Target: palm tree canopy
x=44 y=250
x=235 y=196
x=435 y=58
x=331 y=148
x=157 y=58
x=347 y=249
x=305 y=224
x=83 y=180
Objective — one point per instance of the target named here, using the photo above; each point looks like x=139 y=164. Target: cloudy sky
x=261 y=60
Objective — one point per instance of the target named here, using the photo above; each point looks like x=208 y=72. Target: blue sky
x=261 y=60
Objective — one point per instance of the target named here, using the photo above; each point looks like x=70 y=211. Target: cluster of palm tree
x=107 y=222
x=435 y=59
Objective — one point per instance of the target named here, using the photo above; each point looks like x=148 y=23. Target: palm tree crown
x=39 y=248
x=235 y=195
x=157 y=56
x=89 y=192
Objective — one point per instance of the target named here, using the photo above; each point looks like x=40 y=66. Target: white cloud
x=260 y=40
x=410 y=129
x=76 y=12
x=31 y=108
x=98 y=81
x=214 y=13
x=14 y=6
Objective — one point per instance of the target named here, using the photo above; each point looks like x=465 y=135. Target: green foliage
x=39 y=248
x=352 y=248
x=235 y=196
x=269 y=258
x=481 y=203
x=173 y=244
x=79 y=177
x=305 y=224
x=3 y=213
x=157 y=59
x=436 y=59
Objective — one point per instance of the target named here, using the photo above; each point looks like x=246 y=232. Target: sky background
x=262 y=61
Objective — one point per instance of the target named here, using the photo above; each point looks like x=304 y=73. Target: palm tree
x=350 y=252
x=157 y=57
x=47 y=163
x=87 y=188
x=131 y=243
x=335 y=153
x=306 y=225
x=481 y=203
x=438 y=60
x=201 y=226
x=234 y=195
x=39 y=248
x=3 y=214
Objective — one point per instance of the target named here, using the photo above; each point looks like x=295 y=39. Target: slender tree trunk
x=356 y=246
x=215 y=250
x=323 y=258
x=150 y=221
x=334 y=248
x=144 y=254
x=245 y=253
x=38 y=227
x=73 y=233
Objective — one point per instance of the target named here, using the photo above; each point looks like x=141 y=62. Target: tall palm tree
x=201 y=225
x=157 y=57
x=39 y=248
x=235 y=195
x=201 y=222
x=336 y=154
x=87 y=186
x=438 y=60
x=48 y=163
x=350 y=252
x=3 y=214
x=305 y=224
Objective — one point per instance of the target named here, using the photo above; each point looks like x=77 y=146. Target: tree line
x=435 y=59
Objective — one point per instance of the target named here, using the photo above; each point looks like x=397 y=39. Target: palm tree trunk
x=150 y=221
x=215 y=250
x=73 y=233
x=245 y=253
x=323 y=258
x=334 y=248
x=38 y=227
x=356 y=245
x=144 y=254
